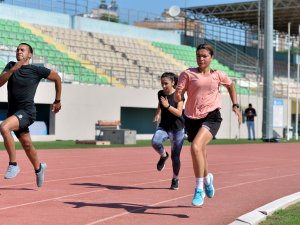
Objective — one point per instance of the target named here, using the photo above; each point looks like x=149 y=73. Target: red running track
x=122 y=187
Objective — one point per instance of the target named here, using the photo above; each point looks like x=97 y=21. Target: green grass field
x=288 y=216
x=140 y=143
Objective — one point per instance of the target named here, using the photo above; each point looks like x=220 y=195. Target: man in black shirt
x=250 y=113
x=22 y=80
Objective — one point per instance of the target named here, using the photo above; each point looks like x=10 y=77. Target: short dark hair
x=207 y=47
x=29 y=46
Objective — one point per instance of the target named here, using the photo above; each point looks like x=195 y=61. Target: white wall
x=117 y=29
x=18 y=13
x=84 y=105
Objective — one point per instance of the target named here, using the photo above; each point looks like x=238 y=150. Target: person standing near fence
x=202 y=114
x=22 y=80
x=250 y=113
x=171 y=126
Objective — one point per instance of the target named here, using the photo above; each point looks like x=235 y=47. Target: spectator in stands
x=250 y=113
x=22 y=81
x=171 y=126
x=202 y=114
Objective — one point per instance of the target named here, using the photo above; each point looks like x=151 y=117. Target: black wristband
x=169 y=106
x=56 y=101
x=236 y=105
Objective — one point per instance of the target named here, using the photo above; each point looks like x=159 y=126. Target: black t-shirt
x=168 y=120
x=250 y=114
x=22 y=85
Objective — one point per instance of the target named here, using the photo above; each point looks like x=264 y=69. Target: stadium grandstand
x=111 y=67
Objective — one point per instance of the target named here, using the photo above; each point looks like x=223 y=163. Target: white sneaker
x=40 y=175
x=12 y=171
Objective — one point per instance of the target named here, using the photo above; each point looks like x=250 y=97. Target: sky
x=158 y=6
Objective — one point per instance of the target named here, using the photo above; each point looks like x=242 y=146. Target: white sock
x=199 y=183
x=207 y=180
x=175 y=177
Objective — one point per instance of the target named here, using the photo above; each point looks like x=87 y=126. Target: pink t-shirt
x=203 y=92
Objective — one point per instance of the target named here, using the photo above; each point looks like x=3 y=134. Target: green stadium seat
x=103 y=80
x=51 y=54
x=5 y=35
x=186 y=54
x=15 y=29
x=70 y=70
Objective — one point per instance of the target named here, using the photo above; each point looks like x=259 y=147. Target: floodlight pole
x=288 y=84
x=297 y=99
x=297 y=90
x=258 y=56
x=268 y=72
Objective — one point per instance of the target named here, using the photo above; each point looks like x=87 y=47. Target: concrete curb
x=260 y=214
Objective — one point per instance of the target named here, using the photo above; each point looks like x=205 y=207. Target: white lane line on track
x=97 y=166
x=150 y=163
x=82 y=177
x=137 y=171
x=168 y=200
x=72 y=195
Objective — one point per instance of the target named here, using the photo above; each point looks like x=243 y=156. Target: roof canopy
x=245 y=14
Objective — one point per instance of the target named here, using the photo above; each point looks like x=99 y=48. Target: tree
x=109 y=17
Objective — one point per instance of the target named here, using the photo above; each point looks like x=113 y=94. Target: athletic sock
x=36 y=171
x=199 y=183
x=12 y=163
x=207 y=180
x=175 y=177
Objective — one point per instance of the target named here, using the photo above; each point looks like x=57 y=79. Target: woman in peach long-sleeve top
x=202 y=114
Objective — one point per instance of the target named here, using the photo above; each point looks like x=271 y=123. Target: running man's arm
x=53 y=76
x=5 y=75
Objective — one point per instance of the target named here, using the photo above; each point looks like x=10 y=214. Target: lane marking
x=169 y=200
x=139 y=171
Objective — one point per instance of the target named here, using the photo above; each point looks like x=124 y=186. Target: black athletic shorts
x=25 y=120
x=212 y=122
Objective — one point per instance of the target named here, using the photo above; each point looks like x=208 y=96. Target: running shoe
x=209 y=188
x=174 y=184
x=161 y=163
x=40 y=175
x=12 y=171
x=198 y=199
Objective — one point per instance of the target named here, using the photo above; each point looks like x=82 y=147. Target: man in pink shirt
x=202 y=114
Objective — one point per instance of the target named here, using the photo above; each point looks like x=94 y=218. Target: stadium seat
x=101 y=57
